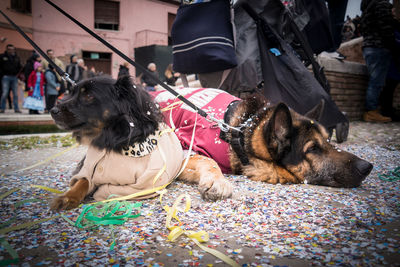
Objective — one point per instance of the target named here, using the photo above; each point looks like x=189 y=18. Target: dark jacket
x=377 y=24
x=148 y=80
x=75 y=72
x=9 y=65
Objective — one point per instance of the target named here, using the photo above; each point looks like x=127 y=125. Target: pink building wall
x=142 y=23
x=7 y=31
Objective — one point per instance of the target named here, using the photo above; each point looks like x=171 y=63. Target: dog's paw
x=216 y=189
x=64 y=203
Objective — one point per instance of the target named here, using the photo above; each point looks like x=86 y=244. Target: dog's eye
x=87 y=97
x=313 y=149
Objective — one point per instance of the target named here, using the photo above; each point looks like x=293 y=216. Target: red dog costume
x=207 y=141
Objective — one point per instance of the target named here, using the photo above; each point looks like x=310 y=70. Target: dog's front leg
x=73 y=197
x=206 y=173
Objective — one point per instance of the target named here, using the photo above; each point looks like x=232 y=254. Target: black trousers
x=50 y=101
x=386 y=97
x=337 y=12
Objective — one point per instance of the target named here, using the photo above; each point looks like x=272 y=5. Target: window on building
x=23 y=6
x=106 y=15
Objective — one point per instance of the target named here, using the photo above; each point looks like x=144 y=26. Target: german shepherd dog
x=277 y=145
x=109 y=115
x=283 y=146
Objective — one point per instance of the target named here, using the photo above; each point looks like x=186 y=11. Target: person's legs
x=378 y=62
x=51 y=100
x=337 y=12
x=14 y=88
x=5 y=82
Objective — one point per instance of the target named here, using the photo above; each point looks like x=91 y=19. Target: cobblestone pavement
x=383 y=134
x=261 y=225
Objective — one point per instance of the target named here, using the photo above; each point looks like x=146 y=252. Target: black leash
x=62 y=73
x=222 y=125
x=184 y=100
x=317 y=69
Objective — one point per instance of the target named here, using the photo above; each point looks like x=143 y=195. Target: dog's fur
x=111 y=115
x=285 y=147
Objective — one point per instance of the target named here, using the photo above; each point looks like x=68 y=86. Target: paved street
x=262 y=225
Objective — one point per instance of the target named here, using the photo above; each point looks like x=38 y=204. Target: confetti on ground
x=262 y=225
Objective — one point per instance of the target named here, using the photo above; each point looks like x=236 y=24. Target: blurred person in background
x=74 y=70
x=10 y=67
x=123 y=70
x=170 y=75
x=59 y=64
x=377 y=28
x=148 y=83
x=36 y=81
x=52 y=87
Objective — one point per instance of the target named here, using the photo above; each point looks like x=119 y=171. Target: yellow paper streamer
x=47 y=189
x=196 y=237
x=172 y=106
x=161 y=189
x=25 y=225
x=8 y=193
x=49 y=158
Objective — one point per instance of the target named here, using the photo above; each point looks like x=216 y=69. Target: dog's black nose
x=363 y=167
x=54 y=111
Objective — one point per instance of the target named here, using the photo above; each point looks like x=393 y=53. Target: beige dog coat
x=129 y=172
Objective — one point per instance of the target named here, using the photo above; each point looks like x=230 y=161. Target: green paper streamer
x=109 y=213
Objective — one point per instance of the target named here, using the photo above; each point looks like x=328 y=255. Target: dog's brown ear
x=316 y=112
x=278 y=131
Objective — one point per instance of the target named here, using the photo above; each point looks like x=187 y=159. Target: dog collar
x=142 y=149
x=236 y=138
